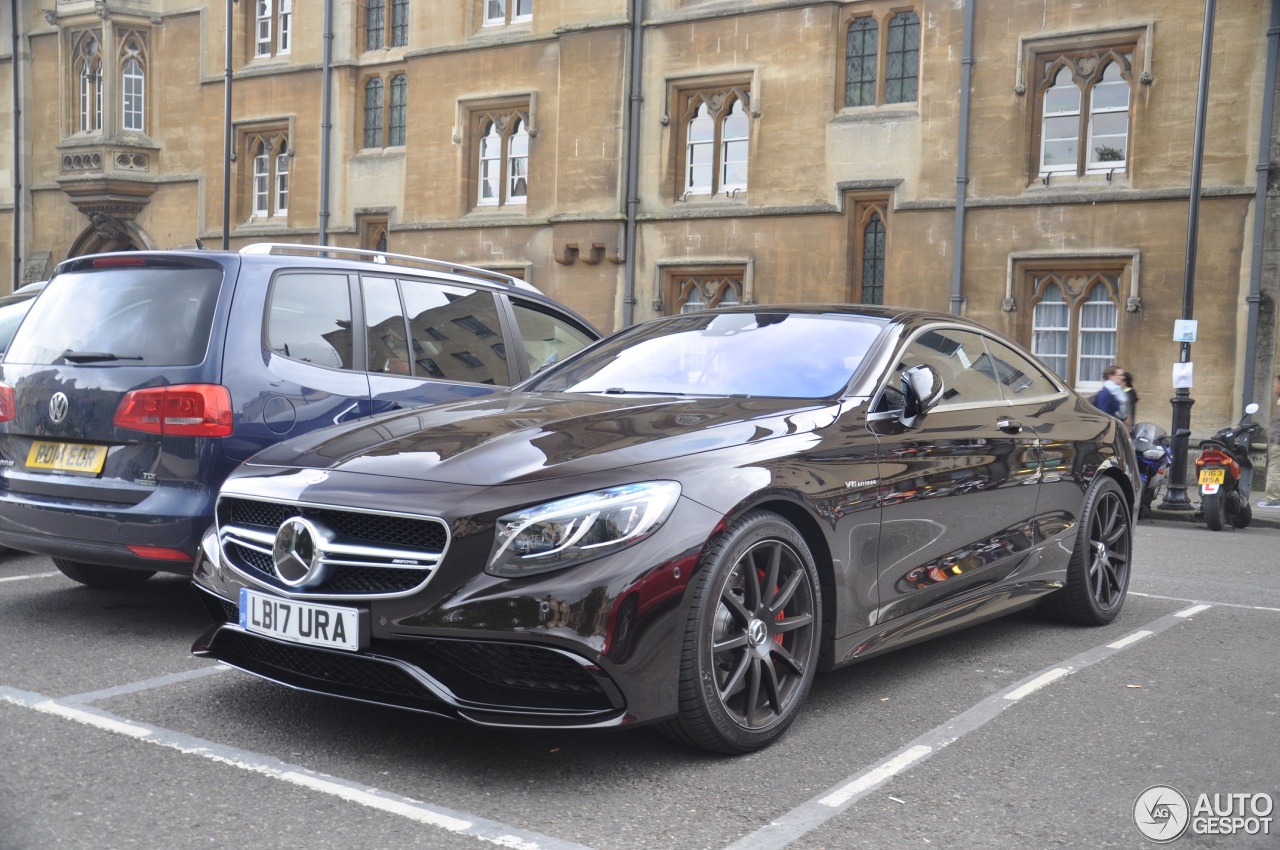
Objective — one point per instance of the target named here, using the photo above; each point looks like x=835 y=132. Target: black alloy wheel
x=1098 y=573
x=751 y=641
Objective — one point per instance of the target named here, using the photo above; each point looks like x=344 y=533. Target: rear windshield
x=144 y=316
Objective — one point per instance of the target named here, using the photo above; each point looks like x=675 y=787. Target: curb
x=1262 y=517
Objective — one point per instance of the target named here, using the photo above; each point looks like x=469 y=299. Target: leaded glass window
x=861 y=52
x=902 y=59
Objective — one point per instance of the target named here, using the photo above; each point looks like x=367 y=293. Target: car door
x=957 y=492
x=291 y=356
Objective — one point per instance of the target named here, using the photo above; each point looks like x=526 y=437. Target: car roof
x=898 y=315
x=328 y=256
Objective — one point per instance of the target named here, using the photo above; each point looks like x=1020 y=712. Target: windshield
x=784 y=355
x=144 y=315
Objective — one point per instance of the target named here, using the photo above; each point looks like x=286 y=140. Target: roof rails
x=402 y=260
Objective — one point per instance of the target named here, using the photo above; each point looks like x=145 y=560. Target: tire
x=102 y=576
x=1243 y=514
x=1215 y=510
x=751 y=640
x=1098 y=572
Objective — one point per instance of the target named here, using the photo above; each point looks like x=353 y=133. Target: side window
x=547 y=338
x=385 y=326
x=309 y=319
x=1018 y=377
x=454 y=333
x=960 y=359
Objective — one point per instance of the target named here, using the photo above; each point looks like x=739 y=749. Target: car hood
x=520 y=437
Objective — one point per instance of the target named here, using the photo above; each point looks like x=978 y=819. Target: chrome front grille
x=363 y=554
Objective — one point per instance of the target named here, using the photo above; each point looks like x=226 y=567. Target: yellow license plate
x=67 y=457
x=1213 y=476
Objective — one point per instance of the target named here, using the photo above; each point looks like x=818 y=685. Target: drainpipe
x=962 y=160
x=1260 y=204
x=326 y=125
x=226 y=137
x=633 y=164
x=17 y=153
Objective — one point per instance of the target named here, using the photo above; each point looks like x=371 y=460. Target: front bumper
x=589 y=646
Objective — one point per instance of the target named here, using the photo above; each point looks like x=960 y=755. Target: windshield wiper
x=625 y=391
x=96 y=356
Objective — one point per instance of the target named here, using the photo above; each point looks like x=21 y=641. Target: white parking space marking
x=1214 y=604
x=145 y=685
x=1131 y=639
x=878 y=775
x=28 y=577
x=460 y=823
x=1037 y=683
x=812 y=814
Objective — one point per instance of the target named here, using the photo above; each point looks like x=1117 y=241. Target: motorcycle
x=1151 y=444
x=1224 y=472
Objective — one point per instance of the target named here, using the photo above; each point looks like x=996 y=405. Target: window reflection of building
x=454 y=341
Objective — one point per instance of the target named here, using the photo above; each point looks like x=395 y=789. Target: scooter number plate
x=1213 y=476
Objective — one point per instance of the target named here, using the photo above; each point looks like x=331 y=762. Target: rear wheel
x=1098 y=573
x=1215 y=510
x=1243 y=514
x=751 y=639
x=101 y=576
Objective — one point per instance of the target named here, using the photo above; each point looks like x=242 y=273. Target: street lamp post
x=1175 y=498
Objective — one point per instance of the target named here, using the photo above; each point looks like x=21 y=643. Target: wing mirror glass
x=922 y=389
x=1251 y=408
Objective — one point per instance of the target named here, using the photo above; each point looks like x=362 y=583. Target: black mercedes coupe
x=681 y=525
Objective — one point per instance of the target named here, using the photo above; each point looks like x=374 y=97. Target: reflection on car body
x=681 y=524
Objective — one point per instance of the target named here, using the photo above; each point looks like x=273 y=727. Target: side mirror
x=922 y=389
x=1251 y=408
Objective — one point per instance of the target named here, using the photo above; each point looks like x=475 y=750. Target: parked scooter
x=1224 y=472
x=1151 y=444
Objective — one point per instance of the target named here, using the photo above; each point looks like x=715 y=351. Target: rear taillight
x=8 y=408
x=182 y=410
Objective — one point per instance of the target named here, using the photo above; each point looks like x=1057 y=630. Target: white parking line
x=25 y=578
x=459 y=823
x=1210 y=602
x=812 y=814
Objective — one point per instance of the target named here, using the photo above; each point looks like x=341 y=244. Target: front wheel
x=101 y=576
x=751 y=639
x=1098 y=573
x=1214 y=508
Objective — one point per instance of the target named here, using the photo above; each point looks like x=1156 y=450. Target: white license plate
x=299 y=622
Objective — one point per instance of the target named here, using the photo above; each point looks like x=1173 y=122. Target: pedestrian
x=1132 y=395
x=1272 y=499
x=1111 y=398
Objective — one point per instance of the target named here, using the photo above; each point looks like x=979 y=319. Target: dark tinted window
x=152 y=316
x=452 y=333
x=12 y=309
x=1019 y=378
x=384 y=319
x=310 y=319
x=960 y=359
x=547 y=338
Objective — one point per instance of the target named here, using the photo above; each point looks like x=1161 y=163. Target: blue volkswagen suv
x=139 y=380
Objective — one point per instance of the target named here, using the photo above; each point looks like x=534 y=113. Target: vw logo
x=58 y=406
x=298 y=552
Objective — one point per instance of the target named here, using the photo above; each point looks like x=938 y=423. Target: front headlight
x=567 y=531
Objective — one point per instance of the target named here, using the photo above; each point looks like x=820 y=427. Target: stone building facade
x=780 y=151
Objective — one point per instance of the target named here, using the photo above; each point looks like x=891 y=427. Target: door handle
x=1009 y=426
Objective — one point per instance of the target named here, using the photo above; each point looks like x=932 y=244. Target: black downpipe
x=17 y=153
x=1260 y=205
x=633 y=165
x=326 y=122
x=962 y=161
x=226 y=137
